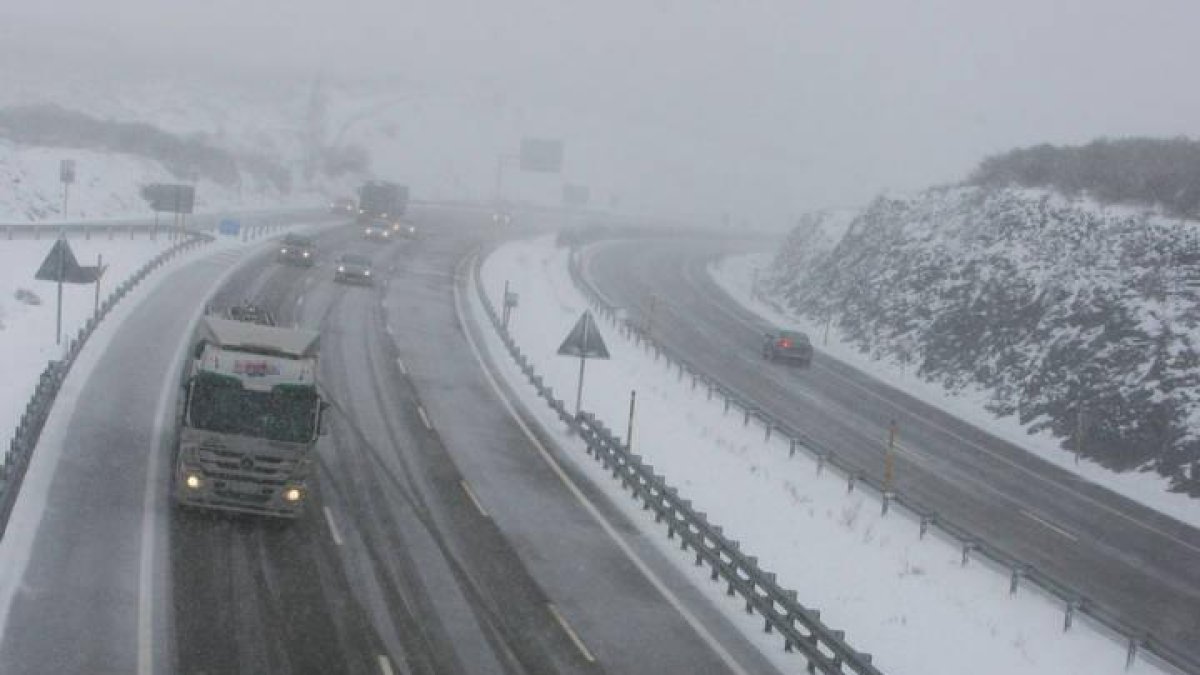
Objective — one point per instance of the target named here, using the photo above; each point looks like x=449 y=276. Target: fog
x=762 y=107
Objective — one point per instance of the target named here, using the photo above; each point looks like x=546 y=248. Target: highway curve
x=1143 y=565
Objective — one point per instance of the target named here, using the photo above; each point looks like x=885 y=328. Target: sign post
x=66 y=174
x=585 y=342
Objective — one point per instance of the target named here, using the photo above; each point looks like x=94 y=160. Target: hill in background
x=1077 y=316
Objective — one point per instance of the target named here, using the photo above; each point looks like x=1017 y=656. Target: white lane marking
x=984 y=449
x=912 y=454
x=1048 y=524
x=385 y=665
x=400 y=365
x=333 y=529
x=474 y=500
x=161 y=446
x=424 y=417
x=571 y=633
x=654 y=580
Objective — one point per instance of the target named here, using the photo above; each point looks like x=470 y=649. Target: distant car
x=788 y=346
x=297 y=250
x=405 y=228
x=377 y=231
x=502 y=218
x=353 y=268
x=343 y=205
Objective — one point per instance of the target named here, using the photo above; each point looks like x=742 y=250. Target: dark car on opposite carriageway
x=788 y=346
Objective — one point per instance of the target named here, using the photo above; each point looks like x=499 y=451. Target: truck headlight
x=366 y=273
x=193 y=481
x=293 y=494
x=306 y=254
x=341 y=268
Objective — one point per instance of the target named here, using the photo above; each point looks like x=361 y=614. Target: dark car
x=353 y=269
x=377 y=231
x=788 y=346
x=405 y=228
x=297 y=250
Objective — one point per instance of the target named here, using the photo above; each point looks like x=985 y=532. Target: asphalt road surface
x=440 y=537
x=1144 y=565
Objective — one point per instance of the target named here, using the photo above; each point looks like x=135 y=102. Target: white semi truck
x=249 y=419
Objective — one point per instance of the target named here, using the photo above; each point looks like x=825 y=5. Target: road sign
x=575 y=195
x=60 y=265
x=66 y=171
x=584 y=340
x=170 y=197
x=542 y=155
x=229 y=226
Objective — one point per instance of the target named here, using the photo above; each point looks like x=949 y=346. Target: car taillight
x=785 y=344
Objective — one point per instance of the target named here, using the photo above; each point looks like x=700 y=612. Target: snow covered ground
x=28 y=307
x=736 y=273
x=907 y=601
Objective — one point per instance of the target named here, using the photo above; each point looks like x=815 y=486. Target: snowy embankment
x=907 y=601
x=28 y=307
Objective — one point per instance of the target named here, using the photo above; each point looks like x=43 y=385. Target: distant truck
x=249 y=419
x=382 y=201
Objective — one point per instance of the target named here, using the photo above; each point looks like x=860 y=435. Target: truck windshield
x=286 y=413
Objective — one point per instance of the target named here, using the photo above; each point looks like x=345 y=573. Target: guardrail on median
x=824 y=648
x=1074 y=602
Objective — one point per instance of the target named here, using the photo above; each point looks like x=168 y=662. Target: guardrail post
x=1069 y=615
x=693 y=381
x=967 y=547
x=850 y=481
x=1131 y=653
x=887 y=502
x=1014 y=581
x=821 y=457
x=710 y=388
x=726 y=403
x=746 y=418
x=768 y=434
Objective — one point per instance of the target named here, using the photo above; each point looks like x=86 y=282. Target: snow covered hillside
x=1077 y=318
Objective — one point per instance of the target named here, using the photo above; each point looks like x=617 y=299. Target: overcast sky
x=819 y=103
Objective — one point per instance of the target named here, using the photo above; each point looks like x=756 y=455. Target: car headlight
x=193 y=481
x=306 y=254
x=341 y=268
x=366 y=273
x=293 y=494
x=411 y=229
x=283 y=250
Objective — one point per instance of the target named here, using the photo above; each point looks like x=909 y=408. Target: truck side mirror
x=322 y=425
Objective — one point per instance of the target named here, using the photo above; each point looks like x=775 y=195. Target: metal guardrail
x=824 y=648
x=29 y=430
x=1074 y=602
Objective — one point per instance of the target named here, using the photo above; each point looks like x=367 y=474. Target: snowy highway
x=1116 y=552
x=439 y=537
